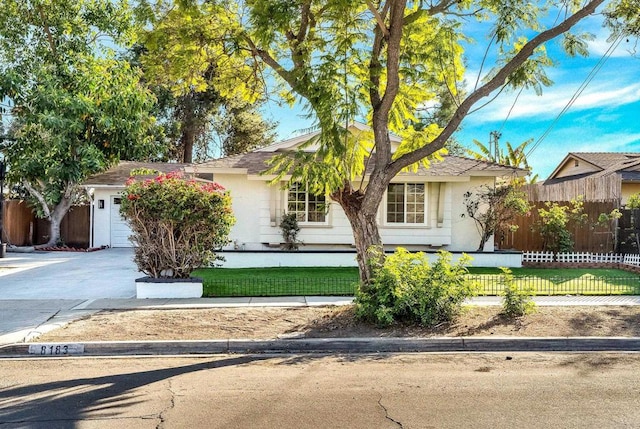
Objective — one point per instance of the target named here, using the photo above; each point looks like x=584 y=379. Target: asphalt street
x=493 y=390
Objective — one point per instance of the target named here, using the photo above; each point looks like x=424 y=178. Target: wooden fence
x=22 y=228
x=587 y=237
x=600 y=189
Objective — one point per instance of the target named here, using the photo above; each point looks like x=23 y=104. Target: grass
x=278 y=281
x=300 y=281
x=563 y=281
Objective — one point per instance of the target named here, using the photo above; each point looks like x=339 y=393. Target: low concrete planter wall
x=339 y=258
x=147 y=287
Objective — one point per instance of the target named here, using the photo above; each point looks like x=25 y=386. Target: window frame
x=405 y=202
x=307 y=194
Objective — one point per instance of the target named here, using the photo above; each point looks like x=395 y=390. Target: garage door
x=120 y=230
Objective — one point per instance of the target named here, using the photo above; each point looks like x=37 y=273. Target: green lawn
x=298 y=281
x=284 y=281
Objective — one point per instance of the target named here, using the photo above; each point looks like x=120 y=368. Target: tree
x=384 y=61
x=201 y=107
x=623 y=18
x=74 y=108
x=509 y=155
x=493 y=208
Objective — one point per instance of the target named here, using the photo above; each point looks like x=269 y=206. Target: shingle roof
x=119 y=174
x=606 y=160
x=255 y=163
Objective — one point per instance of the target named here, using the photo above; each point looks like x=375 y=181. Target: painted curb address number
x=56 y=349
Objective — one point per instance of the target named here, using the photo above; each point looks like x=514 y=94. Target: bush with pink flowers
x=177 y=224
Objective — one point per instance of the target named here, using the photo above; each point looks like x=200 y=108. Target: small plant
x=177 y=224
x=516 y=301
x=555 y=221
x=407 y=288
x=290 y=229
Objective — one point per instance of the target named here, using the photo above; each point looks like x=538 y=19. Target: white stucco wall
x=258 y=206
x=466 y=236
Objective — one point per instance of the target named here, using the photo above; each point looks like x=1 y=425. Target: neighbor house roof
x=118 y=175
x=625 y=164
x=254 y=163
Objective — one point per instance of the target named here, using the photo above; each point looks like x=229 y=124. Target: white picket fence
x=582 y=257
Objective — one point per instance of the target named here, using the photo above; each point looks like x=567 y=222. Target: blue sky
x=604 y=117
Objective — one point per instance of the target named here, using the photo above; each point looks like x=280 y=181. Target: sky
x=605 y=116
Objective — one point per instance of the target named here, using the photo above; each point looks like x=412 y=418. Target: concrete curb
x=335 y=345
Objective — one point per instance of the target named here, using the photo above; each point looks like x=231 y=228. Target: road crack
x=172 y=405
x=387 y=416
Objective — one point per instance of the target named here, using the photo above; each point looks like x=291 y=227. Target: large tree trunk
x=56 y=215
x=365 y=230
x=186 y=141
x=55 y=221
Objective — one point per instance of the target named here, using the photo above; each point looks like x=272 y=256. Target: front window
x=306 y=206
x=405 y=203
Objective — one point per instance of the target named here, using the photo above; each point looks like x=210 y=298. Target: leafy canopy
x=74 y=108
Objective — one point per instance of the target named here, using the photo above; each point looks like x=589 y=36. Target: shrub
x=290 y=229
x=516 y=301
x=406 y=288
x=177 y=224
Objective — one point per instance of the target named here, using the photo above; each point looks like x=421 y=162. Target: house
x=596 y=176
x=421 y=210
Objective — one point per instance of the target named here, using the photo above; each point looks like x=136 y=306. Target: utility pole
x=494 y=145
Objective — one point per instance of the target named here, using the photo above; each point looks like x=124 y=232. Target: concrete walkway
x=45 y=290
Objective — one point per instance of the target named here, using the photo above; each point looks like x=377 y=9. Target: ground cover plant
x=299 y=281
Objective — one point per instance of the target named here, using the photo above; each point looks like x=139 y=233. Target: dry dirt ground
x=324 y=322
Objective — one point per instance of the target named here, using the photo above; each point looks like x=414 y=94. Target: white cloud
x=555 y=98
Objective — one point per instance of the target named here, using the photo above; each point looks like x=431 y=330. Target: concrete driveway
x=108 y=273
x=35 y=287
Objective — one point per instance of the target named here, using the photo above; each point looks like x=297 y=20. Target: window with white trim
x=406 y=203
x=307 y=207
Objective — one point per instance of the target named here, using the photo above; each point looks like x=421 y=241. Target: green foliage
x=610 y=222
x=210 y=99
x=554 y=222
x=623 y=19
x=399 y=65
x=75 y=109
x=633 y=202
x=494 y=209
x=290 y=229
x=407 y=288
x=177 y=224
x=509 y=155
x=516 y=301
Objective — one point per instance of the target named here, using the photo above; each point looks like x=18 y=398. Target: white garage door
x=120 y=230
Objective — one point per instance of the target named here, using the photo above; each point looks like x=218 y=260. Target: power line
x=578 y=92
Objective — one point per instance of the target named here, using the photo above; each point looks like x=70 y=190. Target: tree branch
x=379 y=20
x=47 y=31
x=496 y=82
x=38 y=196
